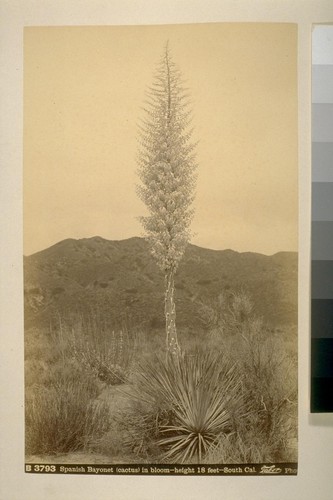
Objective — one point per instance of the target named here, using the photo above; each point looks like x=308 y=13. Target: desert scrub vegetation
x=183 y=404
x=268 y=431
x=108 y=358
x=66 y=415
x=64 y=411
x=103 y=351
x=230 y=396
x=234 y=401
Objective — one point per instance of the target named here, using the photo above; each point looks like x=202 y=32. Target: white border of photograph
x=315 y=432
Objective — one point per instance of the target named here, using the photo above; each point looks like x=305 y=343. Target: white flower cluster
x=167 y=166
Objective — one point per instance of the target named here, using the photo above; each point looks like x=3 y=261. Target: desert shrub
x=106 y=353
x=110 y=444
x=269 y=368
x=139 y=427
x=187 y=402
x=233 y=448
x=109 y=358
x=272 y=387
x=46 y=354
x=65 y=415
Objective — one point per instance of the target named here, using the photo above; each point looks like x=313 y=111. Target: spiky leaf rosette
x=167 y=166
x=203 y=396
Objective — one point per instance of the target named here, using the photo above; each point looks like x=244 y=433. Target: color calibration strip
x=322 y=220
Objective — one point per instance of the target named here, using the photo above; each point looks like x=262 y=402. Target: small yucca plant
x=203 y=396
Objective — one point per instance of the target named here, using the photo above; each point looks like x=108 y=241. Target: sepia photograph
x=160 y=202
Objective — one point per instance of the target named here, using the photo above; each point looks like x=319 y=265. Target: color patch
x=322 y=221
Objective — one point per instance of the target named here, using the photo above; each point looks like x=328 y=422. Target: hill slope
x=121 y=281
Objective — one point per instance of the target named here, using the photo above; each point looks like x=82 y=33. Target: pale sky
x=83 y=92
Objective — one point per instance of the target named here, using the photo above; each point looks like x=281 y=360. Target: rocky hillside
x=120 y=280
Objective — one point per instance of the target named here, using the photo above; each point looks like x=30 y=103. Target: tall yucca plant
x=203 y=396
x=166 y=170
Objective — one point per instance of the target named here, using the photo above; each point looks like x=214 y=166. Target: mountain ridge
x=100 y=238
x=121 y=280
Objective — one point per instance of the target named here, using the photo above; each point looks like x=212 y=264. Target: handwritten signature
x=270 y=469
